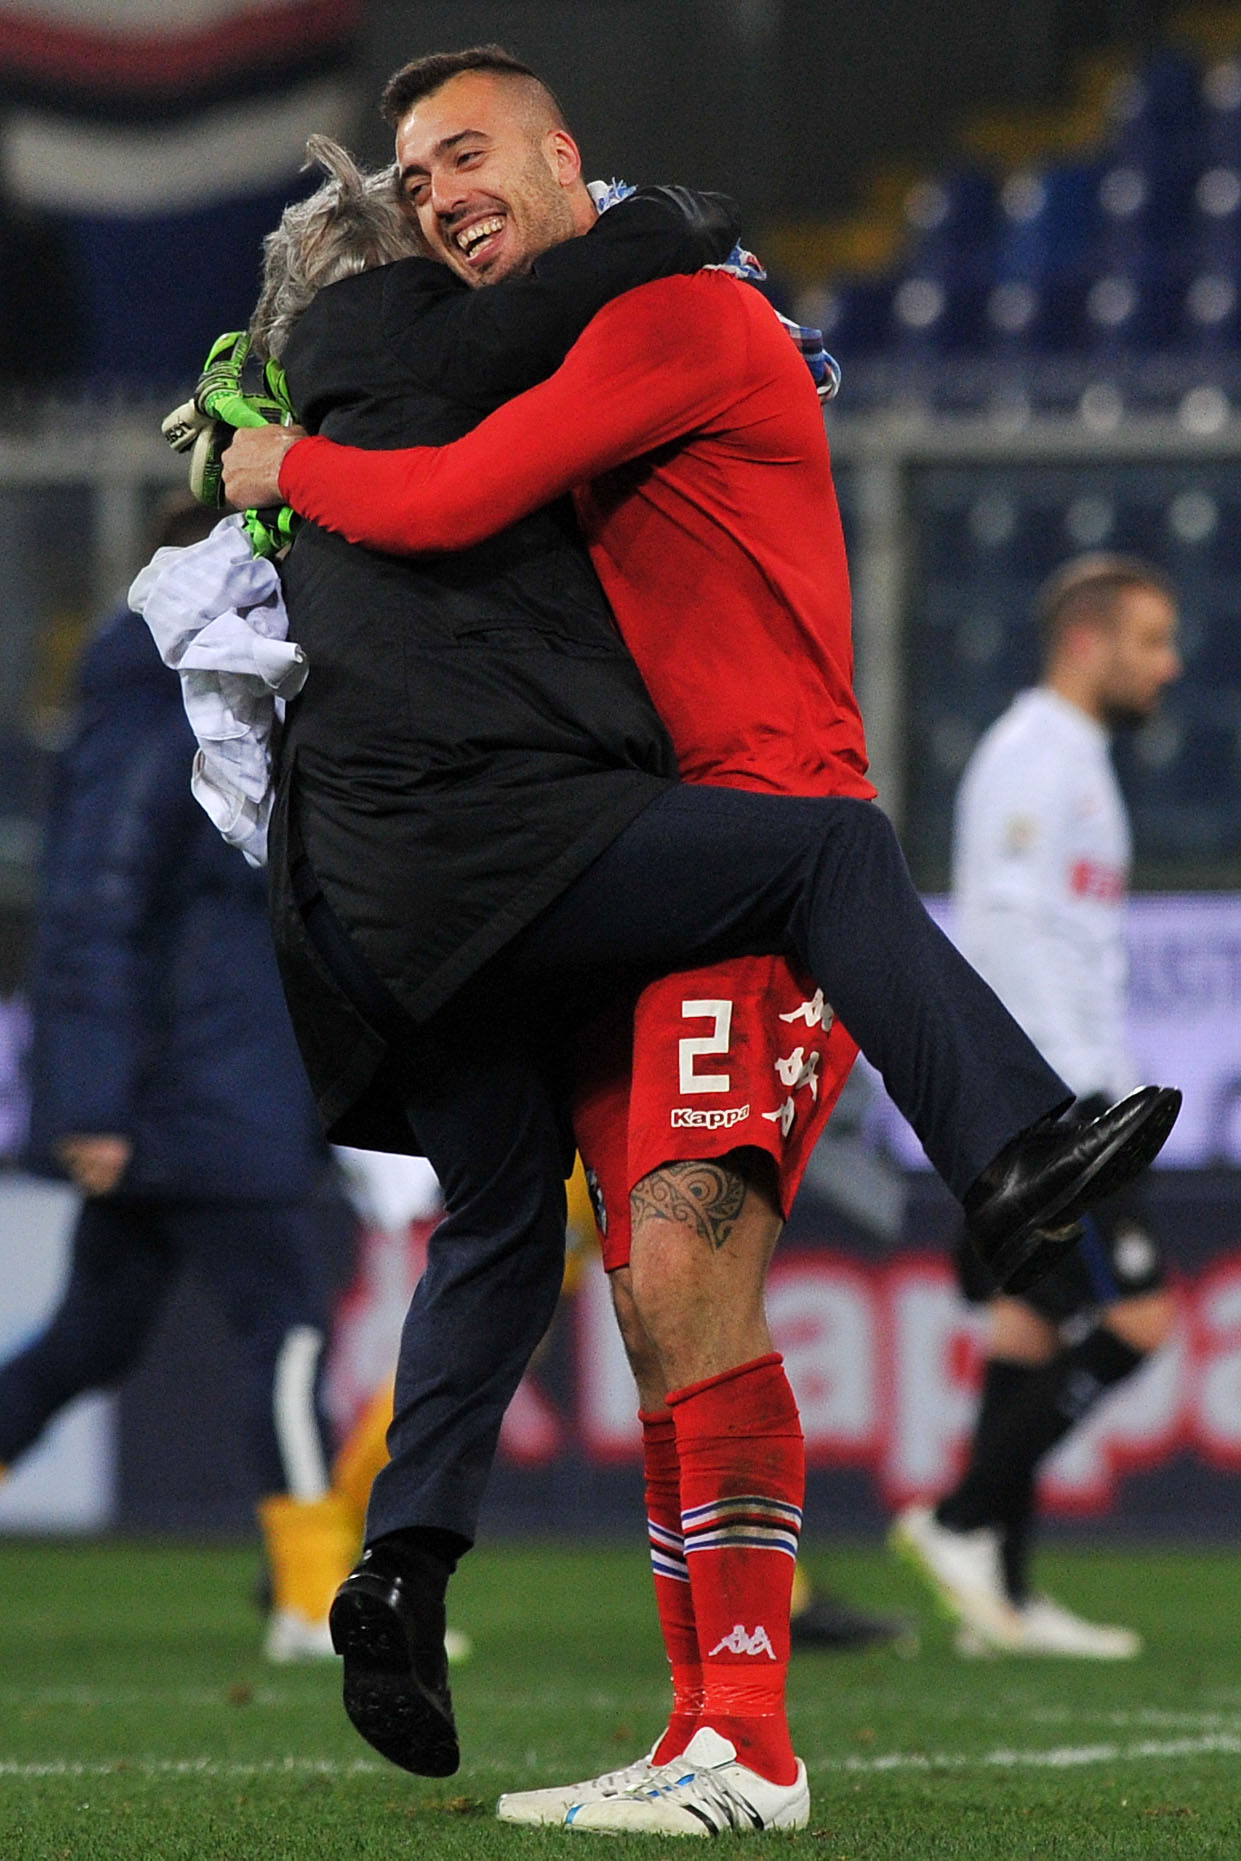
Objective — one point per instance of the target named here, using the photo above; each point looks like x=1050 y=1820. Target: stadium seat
x=1130 y=310
x=1221 y=112
x=935 y=316
x=1210 y=237
x=1209 y=312
x=1158 y=112
x=952 y=220
x=1143 y=212
x=1047 y=220
x=855 y=318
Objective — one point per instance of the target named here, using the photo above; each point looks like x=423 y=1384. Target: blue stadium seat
x=1188 y=803
x=1221 y=112
x=1210 y=238
x=934 y=316
x=1158 y=113
x=1048 y=220
x=1220 y=545
x=1129 y=262
x=952 y=220
x=1143 y=212
x=1127 y=310
x=1209 y=313
x=855 y=318
x=1043 y=316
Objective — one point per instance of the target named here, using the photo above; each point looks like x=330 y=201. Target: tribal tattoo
x=705 y=1196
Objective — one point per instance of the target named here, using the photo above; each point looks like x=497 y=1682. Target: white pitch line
x=1147 y=1716
x=91 y=1699
x=195 y=1767
x=1061 y=1757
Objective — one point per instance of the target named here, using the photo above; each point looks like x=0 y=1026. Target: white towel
x=217 y=615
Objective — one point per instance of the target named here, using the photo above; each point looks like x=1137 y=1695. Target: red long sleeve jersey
x=685 y=423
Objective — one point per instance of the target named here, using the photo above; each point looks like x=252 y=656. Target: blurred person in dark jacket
x=166 y=1084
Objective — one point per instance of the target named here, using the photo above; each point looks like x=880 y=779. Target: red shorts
x=744 y=1053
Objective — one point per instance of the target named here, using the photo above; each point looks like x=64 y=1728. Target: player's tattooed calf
x=705 y=1196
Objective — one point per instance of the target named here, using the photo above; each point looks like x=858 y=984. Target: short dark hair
x=1088 y=588
x=423 y=76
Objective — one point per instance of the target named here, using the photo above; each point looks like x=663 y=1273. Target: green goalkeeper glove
x=222 y=395
x=222 y=402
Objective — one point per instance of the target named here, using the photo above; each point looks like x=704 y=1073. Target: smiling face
x=490 y=176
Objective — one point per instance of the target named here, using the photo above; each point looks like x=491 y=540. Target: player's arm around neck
x=654 y=366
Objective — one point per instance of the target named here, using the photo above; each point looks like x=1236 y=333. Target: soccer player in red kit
x=729 y=584
x=686 y=425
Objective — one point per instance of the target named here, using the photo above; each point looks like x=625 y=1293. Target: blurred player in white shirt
x=1042 y=851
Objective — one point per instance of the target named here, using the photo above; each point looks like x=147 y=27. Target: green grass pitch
x=138 y=1723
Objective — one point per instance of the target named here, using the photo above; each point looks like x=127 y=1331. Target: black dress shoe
x=1022 y=1212
x=387 y=1623
x=828 y=1622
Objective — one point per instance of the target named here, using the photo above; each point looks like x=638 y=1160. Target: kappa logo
x=783 y=1116
x=797 y=1070
x=815 y=1013
x=743 y=1641
x=684 y=1117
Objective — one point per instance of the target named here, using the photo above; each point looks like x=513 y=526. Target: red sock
x=673 y=1597
x=743 y=1480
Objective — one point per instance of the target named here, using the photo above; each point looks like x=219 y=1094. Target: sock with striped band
x=673 y=1597
x=743 y=1477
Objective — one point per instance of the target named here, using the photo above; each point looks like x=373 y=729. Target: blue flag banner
x=145 y=151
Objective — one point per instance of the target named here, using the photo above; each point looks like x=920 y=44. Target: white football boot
x=1047 y=1627
x=541 y=1808
x=966 y=1574
x=457 y=1646
x=704 y=1792
x=292 y=1636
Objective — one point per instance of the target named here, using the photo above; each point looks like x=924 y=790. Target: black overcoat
x=472 y=732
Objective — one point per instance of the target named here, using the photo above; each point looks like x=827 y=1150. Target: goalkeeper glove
x=222 y=393
x=222 y=402
x=271 y=530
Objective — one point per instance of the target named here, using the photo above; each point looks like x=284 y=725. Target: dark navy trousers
x=265 y=1267
x=701 y=874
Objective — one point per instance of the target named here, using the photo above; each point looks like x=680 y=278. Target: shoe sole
x=383 y=1696
x=1031 y=1253
x=795 y=1816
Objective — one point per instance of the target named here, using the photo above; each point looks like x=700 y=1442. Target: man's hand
x=252 y=465
x=96 y=1164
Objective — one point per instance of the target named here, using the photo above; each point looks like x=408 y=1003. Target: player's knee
x=639 y=1346
x=1018 y=1333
